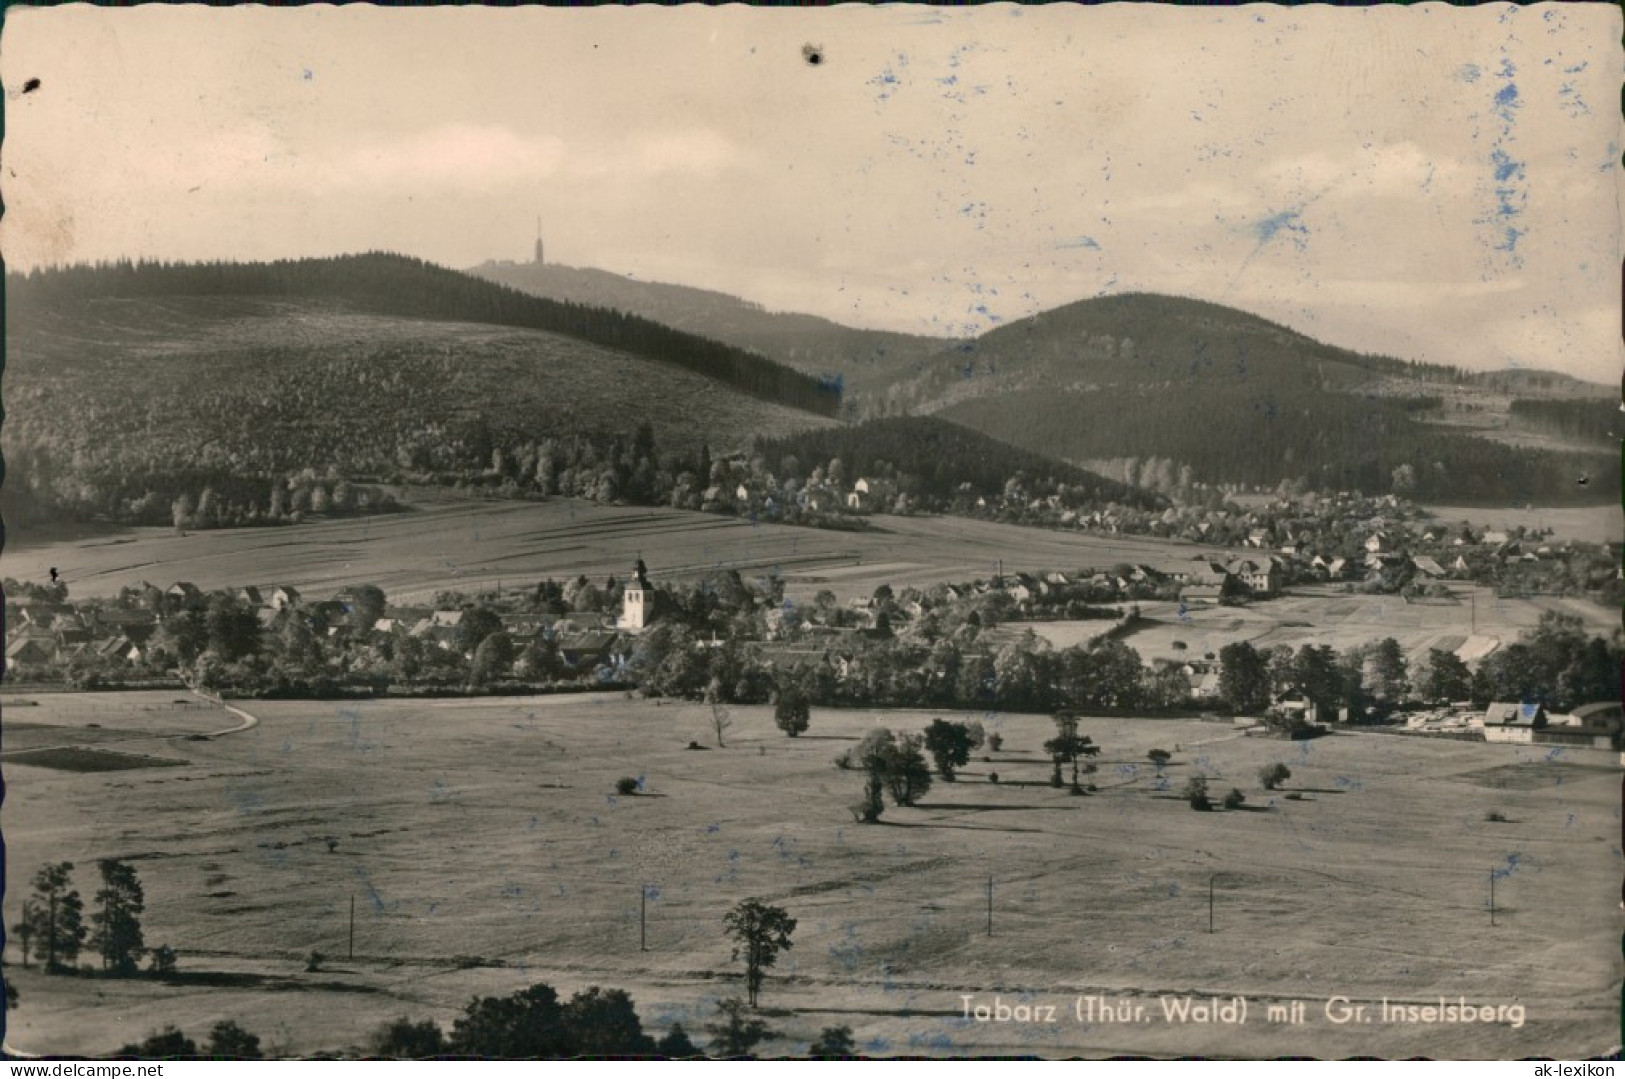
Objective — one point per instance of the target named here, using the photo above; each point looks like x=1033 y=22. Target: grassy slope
x=486 y=829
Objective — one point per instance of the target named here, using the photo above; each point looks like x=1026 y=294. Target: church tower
x=539 y=259
x=637 y=601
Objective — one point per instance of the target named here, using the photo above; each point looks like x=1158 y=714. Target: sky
x=1435 y=183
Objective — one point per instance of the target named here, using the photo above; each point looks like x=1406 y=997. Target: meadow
x=1589 y=524
x=485 y=849
x=453 y=542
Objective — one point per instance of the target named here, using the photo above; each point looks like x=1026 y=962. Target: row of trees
x=1555 y=663
x=1027 y=675
x=53 y=924
x=933 y=463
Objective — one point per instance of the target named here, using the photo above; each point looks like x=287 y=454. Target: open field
x=1473 y=626
x=485 y=850
x=471 y=545
x=1591 y=524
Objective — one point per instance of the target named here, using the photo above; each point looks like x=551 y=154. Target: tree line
x=933 y=461
x=1556 y=663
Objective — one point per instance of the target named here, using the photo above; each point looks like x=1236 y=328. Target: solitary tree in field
x=118 y=923
x=59 y=923
x=1068 y=745
x=1159 y=757
x=1196 y=793
x=792 y=712
x=720 y=722
x=760 y=932
x=1272 y=776
x=907 y=775
x=949 y=745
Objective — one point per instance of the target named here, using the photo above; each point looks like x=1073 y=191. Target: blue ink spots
x=712 y=829
x=1507 y=96
x=1289 y=222
x=1468 y=72
x=1505 y=167
x=377 y=900
x=1514 y=863
x=1081 y=241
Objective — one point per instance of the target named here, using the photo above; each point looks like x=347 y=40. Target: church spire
x=539 y=259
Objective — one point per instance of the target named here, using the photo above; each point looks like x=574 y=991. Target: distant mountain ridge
x=862 y=359
x=1240 y=399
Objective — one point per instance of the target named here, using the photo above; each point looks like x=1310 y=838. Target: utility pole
x=352 y=927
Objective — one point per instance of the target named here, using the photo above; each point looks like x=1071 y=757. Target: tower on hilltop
x=539 y=259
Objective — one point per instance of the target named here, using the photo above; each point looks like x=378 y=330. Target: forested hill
x=939 y=462
x=1241 y=400
x=1139 y=340
x=863 y=359
x=398 y=285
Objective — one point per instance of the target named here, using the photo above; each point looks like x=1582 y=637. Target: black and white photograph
x=884 y=532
